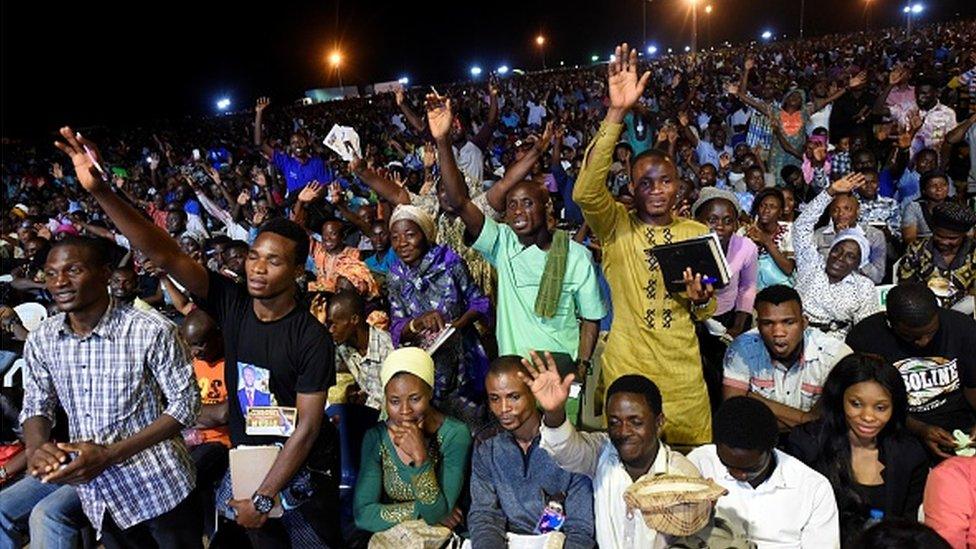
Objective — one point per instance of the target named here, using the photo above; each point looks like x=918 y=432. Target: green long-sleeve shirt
x=389 y=491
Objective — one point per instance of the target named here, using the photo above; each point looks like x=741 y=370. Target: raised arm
x=412 y=118
x=439 y=117
x=957 y=134
x=387 y=189
x=744 y=96
x=857 y=80
x=483 y=137
x=141 y=233
x=807 y=255
x=518 y=171
x=258 y=136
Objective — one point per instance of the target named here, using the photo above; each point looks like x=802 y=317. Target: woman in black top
x=861 y=445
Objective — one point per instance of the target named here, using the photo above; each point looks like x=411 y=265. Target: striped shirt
x=113 y=383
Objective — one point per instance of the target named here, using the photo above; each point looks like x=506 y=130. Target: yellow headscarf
x=418 y=216
x=412 y=360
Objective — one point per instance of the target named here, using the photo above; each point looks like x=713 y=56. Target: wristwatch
x=262 y=503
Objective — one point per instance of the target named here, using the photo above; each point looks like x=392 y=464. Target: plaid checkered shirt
x=113 y=383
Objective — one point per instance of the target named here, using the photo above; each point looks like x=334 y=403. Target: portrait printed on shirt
x=253 y=387
x=929 y=381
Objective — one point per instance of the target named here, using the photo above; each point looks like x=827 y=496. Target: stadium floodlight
x=475 y=70
x=651 y=50
x=403 y=80
x=502 y=69
x=595 y=58
x=223 y=104
x=766 y=35
x=917 y=8
x=687 y=49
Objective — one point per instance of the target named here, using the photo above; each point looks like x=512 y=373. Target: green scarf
x=551 y=283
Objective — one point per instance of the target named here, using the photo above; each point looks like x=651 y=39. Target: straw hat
x=675 y=505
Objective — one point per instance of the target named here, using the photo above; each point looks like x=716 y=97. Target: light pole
x=803 y=9
x=335 y=59
x=911 y=11
x=708 y=24
x=694 y=26
x=541 y=42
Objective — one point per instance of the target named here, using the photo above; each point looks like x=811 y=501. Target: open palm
x=85 y=165
x=623 y=85
x=549 y=390
x=439 y=116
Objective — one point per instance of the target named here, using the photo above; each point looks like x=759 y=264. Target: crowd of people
x=462 y=334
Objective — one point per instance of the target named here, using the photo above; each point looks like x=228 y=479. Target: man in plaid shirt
x=126 y=383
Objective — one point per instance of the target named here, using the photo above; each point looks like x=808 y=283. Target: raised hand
x=398 y=95
x=439 y=116
x=898 y=75
x=750 y=63
x=430 y=155
x=262 y=104
x=153 y=162
x=312 y=192
x=57 y=171
x=260 y=179
x=244 y=197
x=915 y=121
x=858 y=79
x=85 y=157
x=683 y=118
x=547 y=135
x=847 y=183
x=623 y=85
x=550 y=391
x=336 y=196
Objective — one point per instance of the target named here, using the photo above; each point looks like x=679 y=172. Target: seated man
x=844 y=211
x=783 y=362
x=543 y=498
x=875 y=210
x=935 y=350
x=629 y=450
x=779 y=501
x=360 y=351
x=209 y=438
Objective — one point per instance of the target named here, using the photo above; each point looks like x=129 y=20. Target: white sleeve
x=573 y=451
x=823 y=527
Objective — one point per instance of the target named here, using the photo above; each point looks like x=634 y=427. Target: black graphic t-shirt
x=269 y=363
x=935 y=375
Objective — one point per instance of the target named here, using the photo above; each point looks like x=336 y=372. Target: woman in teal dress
x=413 y=464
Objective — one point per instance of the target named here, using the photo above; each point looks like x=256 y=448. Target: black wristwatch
x=262 y=504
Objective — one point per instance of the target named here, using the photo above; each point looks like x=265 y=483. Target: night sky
x=106 y=62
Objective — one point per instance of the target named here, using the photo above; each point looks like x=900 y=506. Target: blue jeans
x=52 y=512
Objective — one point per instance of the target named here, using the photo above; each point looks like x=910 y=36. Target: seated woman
x=945 y=261
x=835 y=296
x=429 y=287
x=414 y=464
x=915 y=214
x=861 y=444
x=719 y=209
x=773 y=236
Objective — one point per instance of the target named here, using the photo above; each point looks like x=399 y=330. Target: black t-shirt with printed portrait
x=269 y=363
x=934 y=376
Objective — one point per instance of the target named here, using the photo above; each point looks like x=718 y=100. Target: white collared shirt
x=593 y=455
x=795 y=507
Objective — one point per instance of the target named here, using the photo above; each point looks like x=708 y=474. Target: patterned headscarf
x=419 y=216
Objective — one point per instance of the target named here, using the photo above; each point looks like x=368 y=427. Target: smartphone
x=196 y=154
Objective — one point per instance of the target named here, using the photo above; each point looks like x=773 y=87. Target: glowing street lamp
x=502 y=69
x=595 y=58
x=403 y=80
x=223 y=104
x=476 y=71
x=541 y=42
x=651 y=50
x=708 y=8
x=335 y=59
x=910 y=11
x=766 y=35
x=694 y=25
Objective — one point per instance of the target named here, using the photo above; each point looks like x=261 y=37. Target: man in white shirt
x=777 y=500
x=629 y=450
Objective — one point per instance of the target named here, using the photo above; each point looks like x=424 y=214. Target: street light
x=541 y=42
x=403 y=80
x=502 y=69
x=335 y=59
x=708 y=8
x=708 y=24
x=694 y=25
x=475 y=71
x=595 y=58
x=223 y=104
x=909 y=11
x=766 y=35
x=651 y=50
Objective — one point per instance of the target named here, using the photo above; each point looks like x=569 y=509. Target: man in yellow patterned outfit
x=653 y=333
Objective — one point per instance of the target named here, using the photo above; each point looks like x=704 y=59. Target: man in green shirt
x=548 y=295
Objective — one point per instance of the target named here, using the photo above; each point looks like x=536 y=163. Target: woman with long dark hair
x=861 y=445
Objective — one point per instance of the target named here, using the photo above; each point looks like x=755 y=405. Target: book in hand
x=248 y=467
x=443 y=336
x=702 y=254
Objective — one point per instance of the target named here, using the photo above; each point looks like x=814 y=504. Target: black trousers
x=180 y=527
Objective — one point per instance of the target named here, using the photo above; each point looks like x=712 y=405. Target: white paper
x=344 y=141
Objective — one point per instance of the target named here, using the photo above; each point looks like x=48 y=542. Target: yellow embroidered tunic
x=653 y=332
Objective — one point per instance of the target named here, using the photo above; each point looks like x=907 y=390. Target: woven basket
x=675 y=505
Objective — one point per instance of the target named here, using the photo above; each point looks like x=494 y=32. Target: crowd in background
x=467 y=320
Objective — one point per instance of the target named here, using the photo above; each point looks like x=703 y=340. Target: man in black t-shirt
x=269 y=332
x=935 y=351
